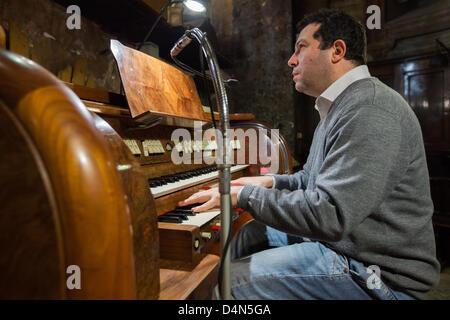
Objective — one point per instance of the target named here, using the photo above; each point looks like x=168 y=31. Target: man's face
x=311 y=66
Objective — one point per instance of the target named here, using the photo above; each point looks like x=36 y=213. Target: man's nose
x=292 y=62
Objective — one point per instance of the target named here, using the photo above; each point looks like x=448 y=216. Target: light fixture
x=194 y=5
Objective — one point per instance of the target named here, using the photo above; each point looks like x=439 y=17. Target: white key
x=201 y=218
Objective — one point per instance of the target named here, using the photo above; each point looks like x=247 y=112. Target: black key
x=163 y=218
x=188 y=206
x=176 y=214
x=189 y=212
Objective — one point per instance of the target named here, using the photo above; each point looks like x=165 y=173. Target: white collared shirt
x=326 y=99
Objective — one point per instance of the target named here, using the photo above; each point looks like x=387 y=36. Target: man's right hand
x=261 y=181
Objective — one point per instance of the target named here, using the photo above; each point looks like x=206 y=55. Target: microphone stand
x=224 y=151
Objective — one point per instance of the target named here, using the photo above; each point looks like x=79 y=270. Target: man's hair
x=334 y=25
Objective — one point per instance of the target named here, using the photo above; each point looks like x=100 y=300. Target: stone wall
x=257 y=37
x=37 y=29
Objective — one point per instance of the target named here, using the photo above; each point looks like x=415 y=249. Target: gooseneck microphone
x=224 y=151
x=181 y=43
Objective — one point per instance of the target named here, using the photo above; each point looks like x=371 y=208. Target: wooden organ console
x=87 y=184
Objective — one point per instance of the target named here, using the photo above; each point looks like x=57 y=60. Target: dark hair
x=334 y=25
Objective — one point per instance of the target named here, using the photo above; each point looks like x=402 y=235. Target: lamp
x=197 y=6
x=194 y=5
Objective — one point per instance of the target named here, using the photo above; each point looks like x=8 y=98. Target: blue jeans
x=269 y=264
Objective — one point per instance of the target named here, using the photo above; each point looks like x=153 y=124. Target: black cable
x=156 y=21
x=189 y=69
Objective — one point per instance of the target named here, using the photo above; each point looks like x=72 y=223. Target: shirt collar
x=326 y=99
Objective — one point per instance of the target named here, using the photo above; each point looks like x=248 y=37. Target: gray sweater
x=364 y=190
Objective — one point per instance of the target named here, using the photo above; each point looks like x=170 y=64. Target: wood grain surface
x=154 y=86
x=31 y=263
x=142 y=212
x=91 y=210
x=197 y=283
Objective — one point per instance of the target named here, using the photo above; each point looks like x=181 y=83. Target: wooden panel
x=90 y=83
x=425 y=95
x=440 y=190
x=154 y=86
x=156 y=5
x=79 y=72
x=422 y=23
x=190 y=284
x=180 y=242
x=32 y=259
x=18 y=41
x=427 y=91
x=142 y=211
x=90 y=196
x=2 y=38
x=425 y=20
x=66 y=74
x=92 y=209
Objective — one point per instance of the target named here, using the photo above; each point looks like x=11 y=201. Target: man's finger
x=196 y=197
x=206 y=206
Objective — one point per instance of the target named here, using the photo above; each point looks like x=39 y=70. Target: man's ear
x=338 y=51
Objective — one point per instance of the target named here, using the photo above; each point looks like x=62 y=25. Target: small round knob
x=196 y=244
x=206 y=235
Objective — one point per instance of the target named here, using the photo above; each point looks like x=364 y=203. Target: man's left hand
x=211 y=199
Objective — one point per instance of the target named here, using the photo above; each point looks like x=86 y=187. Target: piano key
x=202 y=218
x=163 y=218
x=175 y=214
x=184 y=211
x=188 y=206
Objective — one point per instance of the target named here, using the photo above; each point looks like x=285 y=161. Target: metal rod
x=225 y=153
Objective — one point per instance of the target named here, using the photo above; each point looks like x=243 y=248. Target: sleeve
x=361 y=151
x=298 y=180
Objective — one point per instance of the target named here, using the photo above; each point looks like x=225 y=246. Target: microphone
x=181 y=44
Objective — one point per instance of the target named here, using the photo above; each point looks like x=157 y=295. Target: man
x=355 y=223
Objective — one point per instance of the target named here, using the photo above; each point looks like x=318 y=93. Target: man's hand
x=211 y=199
x=261 y=181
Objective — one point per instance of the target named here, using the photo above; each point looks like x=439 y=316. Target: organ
x=89 y=180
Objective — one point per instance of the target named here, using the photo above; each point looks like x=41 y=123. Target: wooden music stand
x=155 y=89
